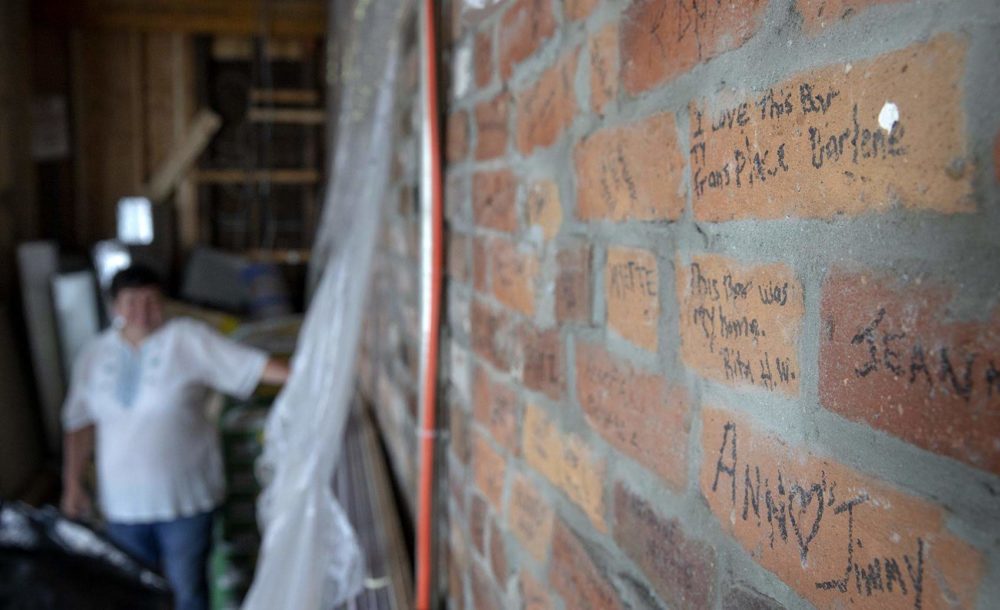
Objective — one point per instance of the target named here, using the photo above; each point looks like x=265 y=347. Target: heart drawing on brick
x=797 y=514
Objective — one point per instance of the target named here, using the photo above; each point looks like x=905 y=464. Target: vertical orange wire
x=429 y=394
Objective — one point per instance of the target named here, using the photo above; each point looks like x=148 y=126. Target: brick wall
x=723 y=326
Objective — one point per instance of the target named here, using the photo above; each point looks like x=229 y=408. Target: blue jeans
x=180 y=547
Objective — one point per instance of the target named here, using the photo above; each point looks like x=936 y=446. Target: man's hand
x=75 y=502
x=276 y=372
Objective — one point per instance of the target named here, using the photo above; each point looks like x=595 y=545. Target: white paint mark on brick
x=888 y=116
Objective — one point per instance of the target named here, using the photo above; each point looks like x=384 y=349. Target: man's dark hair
x=135 y=276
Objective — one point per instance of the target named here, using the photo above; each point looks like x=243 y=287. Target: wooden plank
x=183 y=155
x=107 y=99
x=301 y=116
x=285 y=49
x=232 y=48
x=186 y=196
x=291 y=18
x=136 y=81
x=284 y=96
x=241 y=48
x=80 y=165
x=160 y=108
x=274 y=176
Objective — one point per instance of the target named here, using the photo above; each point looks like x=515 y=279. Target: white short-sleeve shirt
x=158 y=456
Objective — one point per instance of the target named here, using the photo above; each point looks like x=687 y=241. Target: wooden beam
x=241 y=48
x=287 y=18
x=301 y=116
x=284 y=96
x=274 y=176
x=199 y=134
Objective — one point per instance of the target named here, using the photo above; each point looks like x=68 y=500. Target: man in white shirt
x=140 y=388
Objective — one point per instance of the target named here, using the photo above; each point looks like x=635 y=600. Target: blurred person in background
x=140 y=389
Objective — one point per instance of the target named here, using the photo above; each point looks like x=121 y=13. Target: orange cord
x=429 y=393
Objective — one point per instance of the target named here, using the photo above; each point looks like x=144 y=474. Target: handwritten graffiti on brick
x=885 y=349
x=819 y=143
x=751 y=164
x=791 y=512
x=734 y=321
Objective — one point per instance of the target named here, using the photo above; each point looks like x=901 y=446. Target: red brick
x=498 y=555
x=497 y=409
x=530 y=518
x=407 y=203
x=413 y=239
x=573 y=283
x=459 y=432
x=662 y=40
x=484 y=591
x=744 y=598
x=740 y=324
x=632 y=293
x=480 y=264
x=474 y=16
x=812 y=146
x=818 y=14
x=454 y=26
x=456 y=588
x=478 y=509
x=543 y=209
x=491 y=125
x=457 y=560
x=894 y=356
x=523 y=29
x=566 y=461
x=484 y=58
x=457 y=145
x=576 y=578
x=488 y=469
x=631 y=172
x=574 y=10
x=542 y=360
x=458 y=256
x=491 y=330
x=494 y=199
x=514 y=271
x=457 y=485
x=547 y=109
x=635 y=411
x=456 y=193
x=604 y=67
x=534 y=595
x=835 y=536
x=681 y=569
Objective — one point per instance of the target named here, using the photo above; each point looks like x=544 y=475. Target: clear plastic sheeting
x=310 y=557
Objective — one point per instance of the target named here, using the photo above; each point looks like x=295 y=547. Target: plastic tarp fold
x=310 y=557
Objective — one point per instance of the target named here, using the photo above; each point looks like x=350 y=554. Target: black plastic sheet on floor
x=48 y=562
